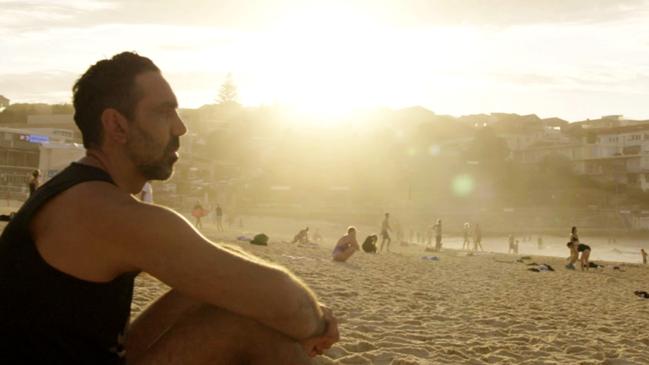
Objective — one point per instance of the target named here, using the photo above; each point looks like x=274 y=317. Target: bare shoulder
x=118 y=216
x=92 y=229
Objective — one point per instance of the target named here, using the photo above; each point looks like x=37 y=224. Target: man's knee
x=255 y=342
x=208 y=334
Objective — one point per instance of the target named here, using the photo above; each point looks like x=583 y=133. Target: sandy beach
x=400 y=308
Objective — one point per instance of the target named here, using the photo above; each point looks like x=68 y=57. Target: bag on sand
x=260 y=240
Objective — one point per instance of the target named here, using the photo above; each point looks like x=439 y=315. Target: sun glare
x=329 y=63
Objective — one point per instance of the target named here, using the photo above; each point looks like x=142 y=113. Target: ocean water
x=623 y=250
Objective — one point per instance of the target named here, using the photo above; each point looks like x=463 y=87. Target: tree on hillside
x=228 y=93
x=4 y=102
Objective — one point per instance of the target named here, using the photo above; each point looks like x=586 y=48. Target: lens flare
x=462 y=185
x=434 y=150
x=412 y=151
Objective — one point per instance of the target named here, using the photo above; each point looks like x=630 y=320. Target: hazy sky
x=568 y=58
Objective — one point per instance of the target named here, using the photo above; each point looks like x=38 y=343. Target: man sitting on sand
x=69 y=257
x=302 y=237
x=346 y=245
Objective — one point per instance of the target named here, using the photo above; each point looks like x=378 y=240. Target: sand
x=483 y=309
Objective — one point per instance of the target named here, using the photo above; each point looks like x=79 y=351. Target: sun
x=331 y=61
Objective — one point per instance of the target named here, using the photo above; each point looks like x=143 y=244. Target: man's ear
x=115 y=125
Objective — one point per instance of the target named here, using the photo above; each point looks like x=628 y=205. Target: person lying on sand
x=69 y=257
x=541 y=268
x=346 y=246
x=302 y=237
x=641 y=294
x=369 y=245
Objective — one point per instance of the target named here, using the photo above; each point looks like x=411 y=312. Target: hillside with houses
x=269 y=160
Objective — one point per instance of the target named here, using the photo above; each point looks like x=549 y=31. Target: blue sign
x=37 y=138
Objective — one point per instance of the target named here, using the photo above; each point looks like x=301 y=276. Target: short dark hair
x=109 y=83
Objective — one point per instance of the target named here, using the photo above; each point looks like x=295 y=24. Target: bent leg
x=205 y=334
x=342 y=256
x=584 y=258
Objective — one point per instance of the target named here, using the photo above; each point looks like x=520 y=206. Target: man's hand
x=316 y=345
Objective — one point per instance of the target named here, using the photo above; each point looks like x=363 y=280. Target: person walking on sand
x=511 y=244
x=644 y=256
x=198 y=212
x=34 y=182
x=219 y=218
x=68 y=300
x=346 y=246
x=437 y=228
x=477 y=238
x=302 y=237
x=466 y=244
x=385 y=233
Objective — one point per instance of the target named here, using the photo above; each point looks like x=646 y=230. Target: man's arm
x=162 y=243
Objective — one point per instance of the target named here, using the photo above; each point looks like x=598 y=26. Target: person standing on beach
x=385 y=233
x=198 y=212
x=302 y=237
x=346 y=246
x=574 y=236
x=644 y=256
x=466 y=244
x=477 y=238
x=69 y=258
x=34 y=182
x=219 y=218
x=511 y=245
x=574 y=255
x=438 y=235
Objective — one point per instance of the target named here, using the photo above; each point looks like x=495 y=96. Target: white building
x=617 y=154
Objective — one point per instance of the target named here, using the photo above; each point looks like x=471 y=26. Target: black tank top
x=50 y=317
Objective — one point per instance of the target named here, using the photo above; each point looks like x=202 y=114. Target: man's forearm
x=292 y=306
x=304 y=317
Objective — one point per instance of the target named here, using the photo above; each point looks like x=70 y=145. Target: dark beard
x=161 y=169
